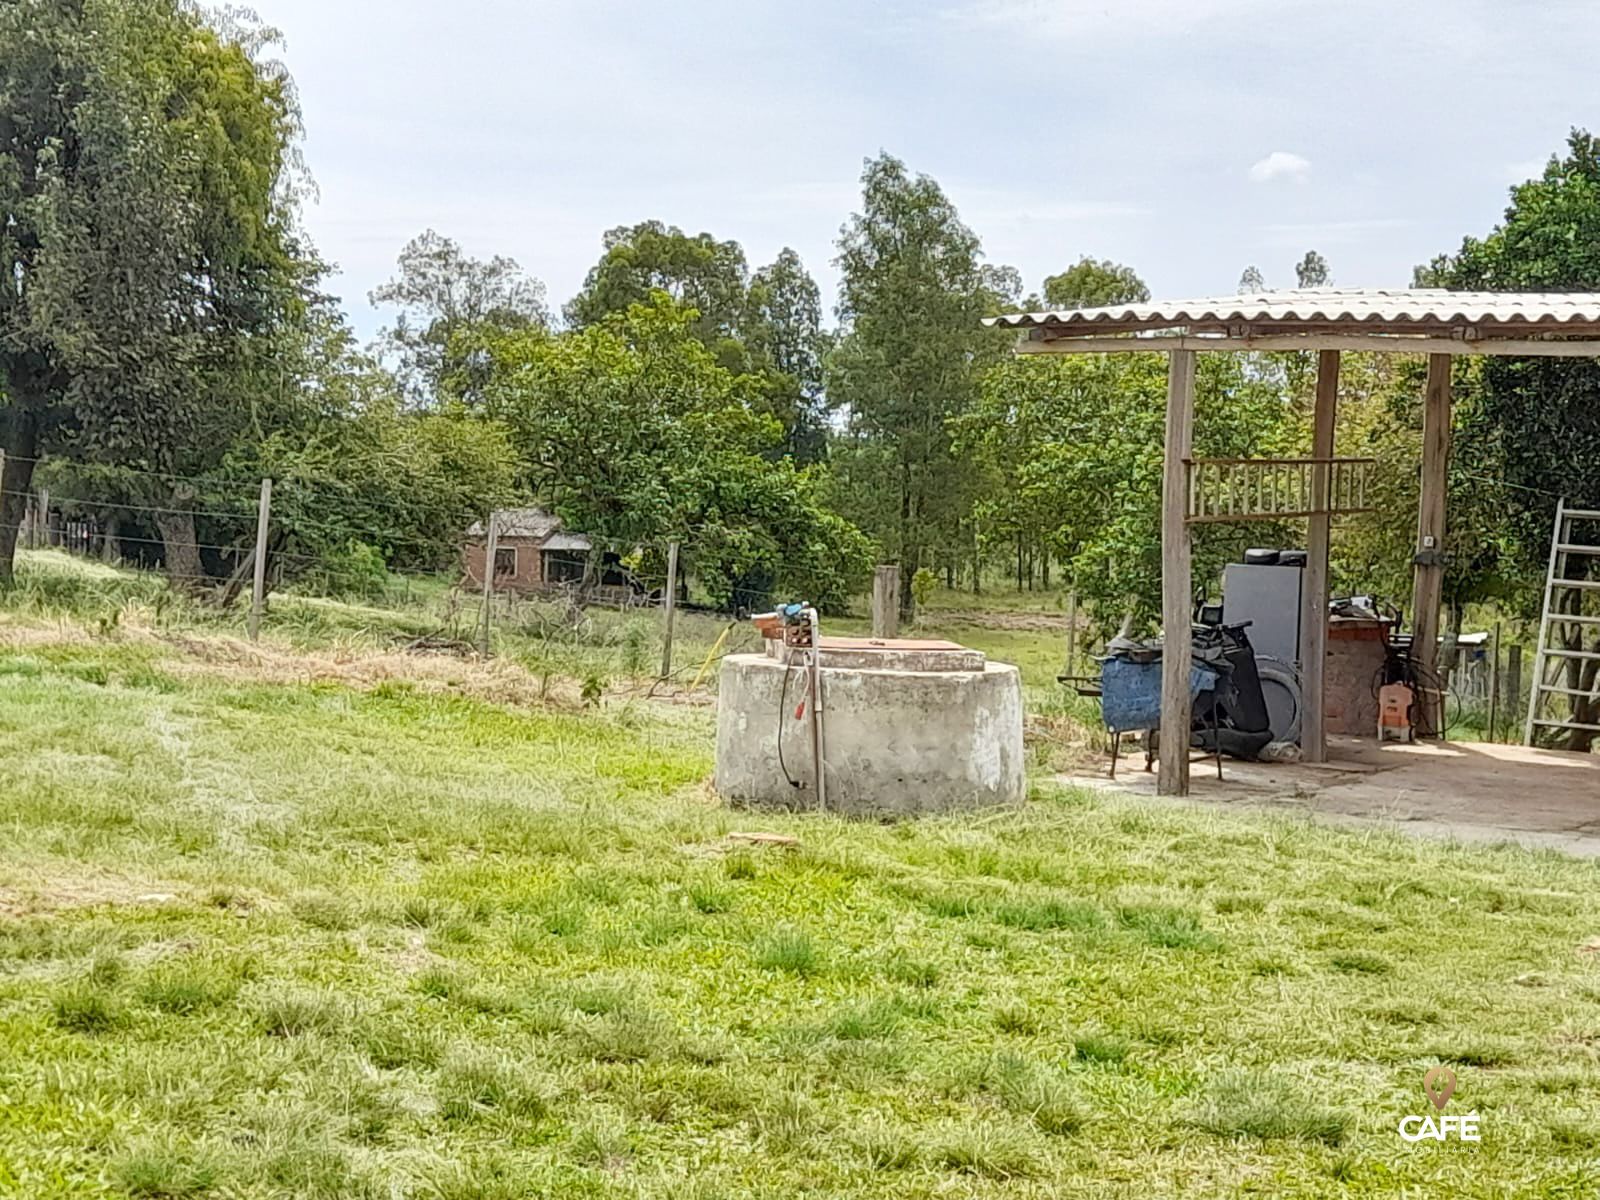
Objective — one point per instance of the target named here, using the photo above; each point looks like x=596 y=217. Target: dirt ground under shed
x=1470 y=790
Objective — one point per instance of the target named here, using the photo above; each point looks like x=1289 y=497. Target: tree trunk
x=22 y=447
x=184 y=569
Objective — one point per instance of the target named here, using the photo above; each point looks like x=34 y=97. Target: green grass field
x=298 y=925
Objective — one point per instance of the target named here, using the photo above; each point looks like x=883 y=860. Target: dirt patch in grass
x=55 y=891
x=1018 y=621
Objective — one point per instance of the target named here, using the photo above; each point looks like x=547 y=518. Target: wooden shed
x=1433 y=322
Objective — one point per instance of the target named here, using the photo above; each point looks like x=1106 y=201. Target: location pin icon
x=1440 y=1084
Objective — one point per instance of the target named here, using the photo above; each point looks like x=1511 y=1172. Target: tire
x=1278 y=674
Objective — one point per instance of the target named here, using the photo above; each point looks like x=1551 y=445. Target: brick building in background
x=532 y=552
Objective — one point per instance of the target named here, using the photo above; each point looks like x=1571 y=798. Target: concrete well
x=909 y=728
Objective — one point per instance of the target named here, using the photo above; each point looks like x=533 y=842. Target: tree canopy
x=912 y=351
x=146 y=230
x=443 y=294
x=1312 y=271
x=1094 y=283
x=635 y=434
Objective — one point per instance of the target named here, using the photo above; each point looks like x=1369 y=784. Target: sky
x=1186 y=138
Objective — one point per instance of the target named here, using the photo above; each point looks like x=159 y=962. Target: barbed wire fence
x=546 y=591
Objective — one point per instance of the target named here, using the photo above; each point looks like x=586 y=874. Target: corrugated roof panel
x=1360 y=307
x=521 y=523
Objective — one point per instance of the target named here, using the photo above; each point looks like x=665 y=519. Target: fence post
x=886 y=602
x=1494 y=680
x=491 y=548
x=258 y=593
x=1513 y=678
x=1072 y=629
x=671 y=608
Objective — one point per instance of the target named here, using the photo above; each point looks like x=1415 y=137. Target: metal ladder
x=1564 y=546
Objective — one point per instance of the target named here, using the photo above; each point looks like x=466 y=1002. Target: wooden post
x=670 y=610
x=1314 y=585
x=258 y=593
x=1494 y=680
x=41 y=521
x=1072 y=629
x=886 y=602
x=1428 y=585
x=492 y=545
x=1177 y=656
x=1513 y=680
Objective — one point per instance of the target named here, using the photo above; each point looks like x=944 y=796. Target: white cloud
x=1280 y=164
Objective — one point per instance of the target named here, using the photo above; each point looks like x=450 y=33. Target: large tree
x=1094 y=283
x=783 y=331
x=911 y=301
x=1536 y=421
x=1312 y=271
x=696 y=270
x=145 y=163
x=635 y=434
x=443 y=293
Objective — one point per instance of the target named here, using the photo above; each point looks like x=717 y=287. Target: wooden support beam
x=1314 y=585
x=886 y=602
x=1177 y=590
x=1428 y=585
x=1378 y=342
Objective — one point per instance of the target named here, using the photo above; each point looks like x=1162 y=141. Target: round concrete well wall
x=900 y=739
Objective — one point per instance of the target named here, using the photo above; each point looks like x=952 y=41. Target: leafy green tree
x=145 y=188
x=767 y=326
x=912 y=298
x=698 y=271
x=1530 y=425
x=631 y=430
x=783 y=328
x=1074 y=446
x=1094 y=283
x=1312 y=271
x=443 y=294
x=1252 y=281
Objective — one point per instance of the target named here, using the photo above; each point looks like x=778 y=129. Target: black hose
x=783 y=707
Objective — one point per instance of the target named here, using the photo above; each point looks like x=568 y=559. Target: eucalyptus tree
x=146 y=192
x=1312 y=271
x=1095 y=283
x=444 y=296
x=783 y=331
x=697 y=270
x=911 y=302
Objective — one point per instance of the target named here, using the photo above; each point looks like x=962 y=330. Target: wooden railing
x=1269 y=489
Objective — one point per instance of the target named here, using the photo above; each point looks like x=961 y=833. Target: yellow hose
x=706 y=666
